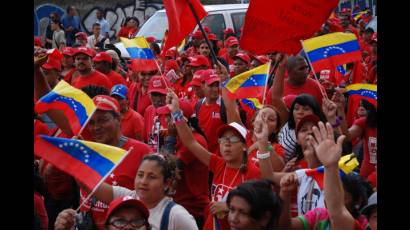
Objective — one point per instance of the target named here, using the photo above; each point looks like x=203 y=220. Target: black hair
x=305 y=100
x=156 y=48
x=69 y=8
x=107 y=222
x=167 y=163
x=369 y=30
x=358 y=188
x=261 y=198
x=96 y=24
x=135 y=19
x=371 y=120
x=93 y=90
x=224 y=116
x=194 y=123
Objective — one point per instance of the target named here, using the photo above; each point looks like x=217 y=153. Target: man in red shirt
x=88 y=75
x=232 y=48
x=103 y=63
x=199 y=62
x=241 y=63
x=137 y=94
x=67 y=63
x=52 y=70
x=195 y=87
x=105 y=128
x=197 y=37
x=132 y=123
x=259 y=60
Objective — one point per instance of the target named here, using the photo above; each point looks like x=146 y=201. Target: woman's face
x=361 y=112
x=231 y=152
x=239 y=214
x=303 y=133
x=129 y=218
x=301 y=111
x=149 y=182
x=272 y=119
x=204 y=49
x=373 y=219
x=132 y=23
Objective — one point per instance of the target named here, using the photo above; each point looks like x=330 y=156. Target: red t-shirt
x=126 y=32
x=138 y=101
x=369 y=146
x=40 y=209
x=132 y=125
x=225 y=179
x=116 y=78
x=210 y=120
x=191 y=51
x=192 y=190
x=95 y=78
x=123 y=175
x=69 y=76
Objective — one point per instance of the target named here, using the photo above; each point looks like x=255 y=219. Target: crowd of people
x=198 y=158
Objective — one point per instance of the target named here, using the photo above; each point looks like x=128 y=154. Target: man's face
x=300 y=71
x=72 y=11
x=204 y=49
x=83 y=62
x=145 y=76
x=103 y=66
x=255 y=63
x=67 y=61
x=123 y=103
x=96 y=30
x=232 y=50
x=99 y=14
x=211 y=91
x=157 y=99
x=104 y=127
x=186 y=68
x=344 y=21
x=239 y=66
x=199 y=91
x=51 y=76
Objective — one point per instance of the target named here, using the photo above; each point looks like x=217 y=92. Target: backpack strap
x=165 y=215
x=198 y=106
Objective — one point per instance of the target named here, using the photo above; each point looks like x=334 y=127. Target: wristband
x=269 y=148
x=177 y=116
x=262 y=155
x=338 y=122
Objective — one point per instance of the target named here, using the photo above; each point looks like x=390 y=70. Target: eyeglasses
x=120 y=223
x=231 y=139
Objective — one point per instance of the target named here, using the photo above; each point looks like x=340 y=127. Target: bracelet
x=262 y=156
x=338 y=122
x=269 y=148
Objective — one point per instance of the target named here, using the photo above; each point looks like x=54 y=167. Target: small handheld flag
x=76 y=106
x=368 y=91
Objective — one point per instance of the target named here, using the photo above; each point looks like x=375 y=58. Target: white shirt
x=91 y=41
x=287 y=139
x=306 y=184
x=179 y=217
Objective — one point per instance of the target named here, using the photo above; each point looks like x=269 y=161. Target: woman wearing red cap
x=129 y=29
x=229 y=170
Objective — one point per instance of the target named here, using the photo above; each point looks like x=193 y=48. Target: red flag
x=279 y=25
x=181 y=20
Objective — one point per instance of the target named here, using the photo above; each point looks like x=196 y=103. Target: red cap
x=237 y=128
x=146 y=65
x=186 y=108
x=212 y=37
x=230 y=41
x=128 y=201
x=171 y=64
x=172 y=52
x=81 y=35
x=262 y=59
x=210 y=76
x=52 y=63
x=199 y=60
x=243 y=56
x=158 y=84
x=197 y=35
x=37 y=41
x=228 y=31
x=84 y=50
x=197 y=79
x=309 y=118
x=102 y=56
x=206 y=29
x=68 y=51
x=151 y=39
x=107 y=103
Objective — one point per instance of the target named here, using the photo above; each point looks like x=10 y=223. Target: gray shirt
x=58 y=39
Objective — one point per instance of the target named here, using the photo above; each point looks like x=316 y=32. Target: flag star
x=76 y=145
x=71 y=143
x=65 y=144
x=114 y=183
x=81 y=148
x=112 y=175
x=87 y=156
x=85 y=151
x=60 y=145
x=86 y=160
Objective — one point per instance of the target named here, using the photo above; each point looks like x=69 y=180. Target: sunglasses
x=231 y=139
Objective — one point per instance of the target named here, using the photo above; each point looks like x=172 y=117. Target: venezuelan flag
x=364 y=90
x=347 y=164
x=75 y=104
x=88 y=162
x=358 y=15
x=252 y=103
x=250 y=84
x=138 y=48
x=331 y=50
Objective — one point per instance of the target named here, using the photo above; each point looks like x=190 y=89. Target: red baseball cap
x=198 y=35
x=146 y=65
x=199 y=60
x=262 y=58
x=151 y=39
x=52 y=63
x=81 y=35
x=107 y=103
x=84 y=50
x=68 y=51
x=186 y=108
x=243 y=56
x=207 y=29
x=309 y=118
x=212 y=37
x=172 y=52
x=209 y=76
x=127 y=201
x=37 y=41
x=171 y=64
x=197 y=79
x=228 y=31
x=237 y=128
x=230 y=41
x=102 y=56
x=158 y=84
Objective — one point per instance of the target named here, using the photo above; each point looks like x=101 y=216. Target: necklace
x=230 y=185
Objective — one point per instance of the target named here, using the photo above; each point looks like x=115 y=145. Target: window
x=237 y=20
x=216 y=23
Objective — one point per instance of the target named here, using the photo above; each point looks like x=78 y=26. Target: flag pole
x=215 y=60
x=324 y=94
x=86 y=122
x=103 y=179
x=266 y=85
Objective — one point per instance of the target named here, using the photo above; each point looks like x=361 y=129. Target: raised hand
x=260 y=129
x=329 y=109
x=172 y=100
x=339 y=100
x=65 y=220
x=288 y=184
x=327 y=150
x=221 y=71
